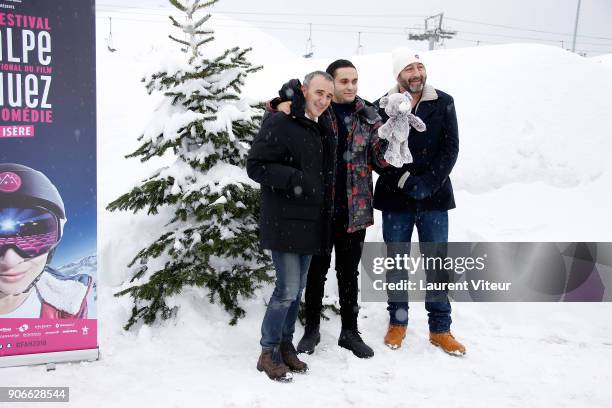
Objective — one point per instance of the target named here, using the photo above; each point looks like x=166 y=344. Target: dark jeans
x=432 y=226
x=279 y=321
x=348 y=253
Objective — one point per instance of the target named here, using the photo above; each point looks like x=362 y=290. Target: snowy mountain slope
x=526 y=113
x=533 y=166
x=88 y=265
x=604 y=59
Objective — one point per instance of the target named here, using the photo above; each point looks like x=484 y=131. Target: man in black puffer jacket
x=292 y=157
x=420 y=194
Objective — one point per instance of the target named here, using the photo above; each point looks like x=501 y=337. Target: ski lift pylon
x=309 y=45
x=109 y=39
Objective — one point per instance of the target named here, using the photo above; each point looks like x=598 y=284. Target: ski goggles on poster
x=31 y=232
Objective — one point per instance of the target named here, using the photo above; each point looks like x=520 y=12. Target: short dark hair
x=341 y=63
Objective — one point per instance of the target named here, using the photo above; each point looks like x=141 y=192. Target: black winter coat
x=293 y=159
x=434 y=153
x=364 y=151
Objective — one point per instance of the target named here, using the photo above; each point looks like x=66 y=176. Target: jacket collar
x=429 y=93
x=307 y=116
x=301 y=118
x=369 y=113
x=362 y=108
x=63 y=293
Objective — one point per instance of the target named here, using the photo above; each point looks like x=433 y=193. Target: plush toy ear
x=407 y=94
x=384 y=101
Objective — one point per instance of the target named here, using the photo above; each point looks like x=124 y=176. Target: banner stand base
x=50 y=359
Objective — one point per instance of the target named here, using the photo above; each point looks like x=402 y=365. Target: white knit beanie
x=402 y=57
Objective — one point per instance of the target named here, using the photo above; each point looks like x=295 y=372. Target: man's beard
x=413 y=89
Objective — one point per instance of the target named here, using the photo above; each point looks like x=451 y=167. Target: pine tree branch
x=148 y=150
x=178 y=5
x=201 y=21
x=204 y=41
x=175 y=23
x=151 y=194
x=207 y=4
x=179 y=41
x=152 y=251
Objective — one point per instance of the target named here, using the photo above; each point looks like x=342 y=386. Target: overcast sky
x=385 y=24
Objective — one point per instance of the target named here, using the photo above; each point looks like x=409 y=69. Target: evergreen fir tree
x=212 y=239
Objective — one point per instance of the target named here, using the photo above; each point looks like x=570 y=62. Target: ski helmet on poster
x=22 y=187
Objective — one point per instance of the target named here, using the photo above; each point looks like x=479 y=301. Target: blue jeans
x=432 y=226
x=279 y=321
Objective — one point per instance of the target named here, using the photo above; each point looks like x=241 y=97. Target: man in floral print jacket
x=355 y=123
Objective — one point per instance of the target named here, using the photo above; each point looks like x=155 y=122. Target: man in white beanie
x=420 y=194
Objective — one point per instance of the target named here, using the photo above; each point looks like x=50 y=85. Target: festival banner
x=48 y=261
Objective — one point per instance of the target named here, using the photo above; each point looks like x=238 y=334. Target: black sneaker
x=311 y=338
x=351 y=340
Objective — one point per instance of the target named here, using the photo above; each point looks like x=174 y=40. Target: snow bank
x=526 y=113
x=603 y=59
x=533 y=165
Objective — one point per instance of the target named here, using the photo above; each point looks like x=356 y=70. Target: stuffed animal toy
x=396 y=130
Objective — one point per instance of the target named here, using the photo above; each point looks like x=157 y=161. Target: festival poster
x=48 y=263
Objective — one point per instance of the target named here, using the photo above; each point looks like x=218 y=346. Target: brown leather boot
x=291 y=359
x=276 y=371
x=446 y=341
x=395 y=335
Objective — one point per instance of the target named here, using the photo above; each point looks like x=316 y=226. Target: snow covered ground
x=604 y=59
x=534 y=165
x=520 y=355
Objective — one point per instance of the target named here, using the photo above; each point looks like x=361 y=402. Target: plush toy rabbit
x=397 y=128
